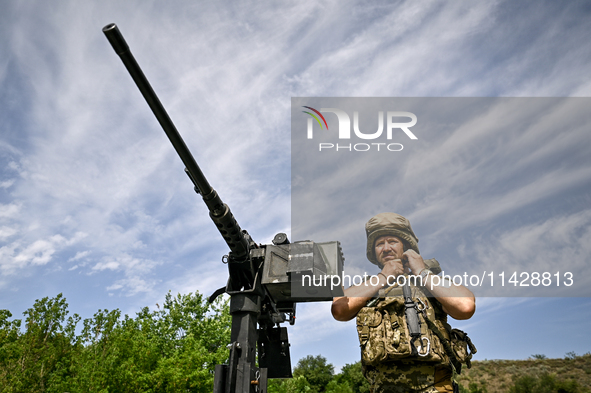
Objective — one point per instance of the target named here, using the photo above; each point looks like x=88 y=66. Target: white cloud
x=79 y=255
x=89 y=158
x=38 y=253
x=110 y=265
x=15 y=257
x=9 y=210
x=6 y=232
x=132 y=286
x=137 y=274
x=560 y=244
x=7 y=183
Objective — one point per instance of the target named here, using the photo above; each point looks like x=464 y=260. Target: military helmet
x=389 y=224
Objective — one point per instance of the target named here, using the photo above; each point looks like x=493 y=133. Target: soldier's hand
x=414 y=261
x=393 y=268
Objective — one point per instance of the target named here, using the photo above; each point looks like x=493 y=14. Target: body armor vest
x=384 y=335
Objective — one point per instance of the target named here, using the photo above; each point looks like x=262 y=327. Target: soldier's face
x=388 y=248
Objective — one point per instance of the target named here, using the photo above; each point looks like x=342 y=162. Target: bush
x=546 y=383
x=570 y=355
x=473 y=388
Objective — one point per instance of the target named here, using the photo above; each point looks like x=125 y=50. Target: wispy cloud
x=80 y=152
x=15 y=256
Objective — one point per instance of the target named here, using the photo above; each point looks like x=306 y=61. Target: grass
x=500 y=375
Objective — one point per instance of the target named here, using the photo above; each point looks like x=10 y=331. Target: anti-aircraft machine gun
x=265 y=281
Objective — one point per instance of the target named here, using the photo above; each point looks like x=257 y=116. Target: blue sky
x=94 y=202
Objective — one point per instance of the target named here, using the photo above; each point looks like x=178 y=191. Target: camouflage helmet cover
x=389 y=224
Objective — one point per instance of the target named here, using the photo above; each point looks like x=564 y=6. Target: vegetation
x=538 y=374
x=175 y=349
x=169 y=350
x=313 y=374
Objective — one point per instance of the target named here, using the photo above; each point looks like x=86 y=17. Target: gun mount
x=265 y=281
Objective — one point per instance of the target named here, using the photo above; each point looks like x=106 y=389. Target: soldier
x=392 y=360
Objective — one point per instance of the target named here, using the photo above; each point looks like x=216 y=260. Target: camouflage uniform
x=409 y=376
x=387 y=370
x=387 y=361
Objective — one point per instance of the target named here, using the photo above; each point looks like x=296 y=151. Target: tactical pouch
x=383 y=335
x=371 y=335
x=462 y=346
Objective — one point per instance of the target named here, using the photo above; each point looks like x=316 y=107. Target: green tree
x=173 y=349
x=43 y=352
x=316 y=370
x=352 y=375
x=9 y=349
x=297 y=384
x=338 y=387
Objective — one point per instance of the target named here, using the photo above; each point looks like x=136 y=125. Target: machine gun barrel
x=265 y=280
x=219 y=212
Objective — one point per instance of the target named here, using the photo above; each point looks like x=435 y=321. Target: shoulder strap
x=455 y=363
